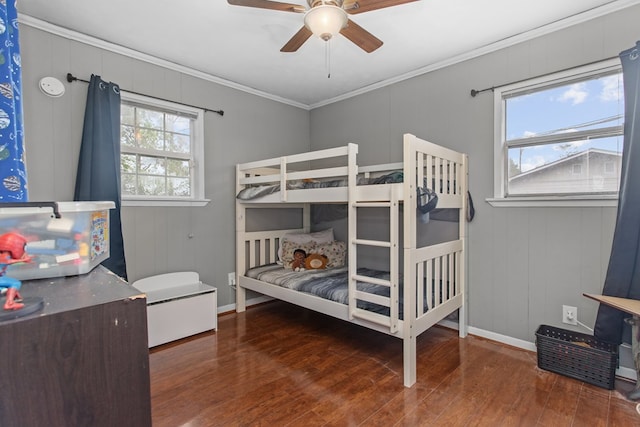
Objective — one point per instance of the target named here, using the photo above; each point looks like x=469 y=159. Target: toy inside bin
x=71 y=244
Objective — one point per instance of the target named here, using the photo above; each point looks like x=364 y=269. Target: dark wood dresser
x=82 y=360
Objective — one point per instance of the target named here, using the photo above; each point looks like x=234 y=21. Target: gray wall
x=156 y=238
x=524 y=263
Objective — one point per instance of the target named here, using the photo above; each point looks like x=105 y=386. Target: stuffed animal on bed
x=315 y=262
x=299 y=255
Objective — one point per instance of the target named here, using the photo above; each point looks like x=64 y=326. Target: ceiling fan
x=326 y=18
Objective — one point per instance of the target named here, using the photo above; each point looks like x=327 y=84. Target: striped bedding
x=331 y=284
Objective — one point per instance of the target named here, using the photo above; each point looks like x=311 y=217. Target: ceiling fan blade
x=359 y=6
x=297 y=40
x=361 y=37
x=266 y=4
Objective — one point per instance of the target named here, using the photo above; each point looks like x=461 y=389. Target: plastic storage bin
x=73 y=243
x=577 y=355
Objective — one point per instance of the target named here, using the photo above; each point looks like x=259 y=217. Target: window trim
x=500 y=149
x=197 y=174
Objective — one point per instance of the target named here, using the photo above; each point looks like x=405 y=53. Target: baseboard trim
x=504 y=339
x=253 y=301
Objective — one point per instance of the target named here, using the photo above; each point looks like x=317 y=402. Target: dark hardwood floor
x=281 y=365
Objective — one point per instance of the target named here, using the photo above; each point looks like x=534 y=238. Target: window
x=610 y=168
x=560 y=136
x=161 y=148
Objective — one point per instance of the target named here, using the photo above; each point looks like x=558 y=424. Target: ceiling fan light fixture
x=326 y=20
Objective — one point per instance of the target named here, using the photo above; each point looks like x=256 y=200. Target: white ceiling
x=242 y=45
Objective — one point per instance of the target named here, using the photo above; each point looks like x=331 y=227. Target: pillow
x=336 y=253
x=289 y=247
x=324 y=236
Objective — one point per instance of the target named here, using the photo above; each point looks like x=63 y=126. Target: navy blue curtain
x=98 y=175
x=12 y=168
x=623 y=273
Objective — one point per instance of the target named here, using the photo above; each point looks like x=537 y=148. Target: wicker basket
x=577 y=355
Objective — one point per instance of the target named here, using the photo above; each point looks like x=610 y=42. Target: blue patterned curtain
x=12 y=167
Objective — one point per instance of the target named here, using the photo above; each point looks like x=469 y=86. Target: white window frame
x=197 y=154
x=500 y=148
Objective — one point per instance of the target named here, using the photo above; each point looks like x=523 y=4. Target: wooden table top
x=627 y=305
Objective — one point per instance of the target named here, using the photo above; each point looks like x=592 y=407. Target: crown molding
x=611 y=7
x=131 y=53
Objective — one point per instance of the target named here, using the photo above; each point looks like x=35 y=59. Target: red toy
x=11 y=252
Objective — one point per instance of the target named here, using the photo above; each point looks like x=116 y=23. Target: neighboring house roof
x=590 y=171
x=563 y=160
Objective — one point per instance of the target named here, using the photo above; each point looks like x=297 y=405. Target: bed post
x=409 y=358
x=352 y=224
x=241 y=293
x=306 y=217
x=409 y=244
x=462 y=221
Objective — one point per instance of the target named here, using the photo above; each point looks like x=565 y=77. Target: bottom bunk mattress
x=331 y=284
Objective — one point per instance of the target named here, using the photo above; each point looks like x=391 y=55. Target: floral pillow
x=289 y=247
x=324 y=236
x=336 y=253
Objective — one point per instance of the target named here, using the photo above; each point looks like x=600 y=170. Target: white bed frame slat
x=297 y=158
x=337 y=172
x=434 y=276
x=373 y=298
x=373 y=280
x=372 y=243
x=369 y=316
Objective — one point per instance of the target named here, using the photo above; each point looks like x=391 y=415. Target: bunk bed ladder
x=358 y=295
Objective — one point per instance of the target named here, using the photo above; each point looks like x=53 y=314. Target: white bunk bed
x=440 y=267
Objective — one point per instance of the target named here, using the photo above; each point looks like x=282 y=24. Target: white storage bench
x=178 y=305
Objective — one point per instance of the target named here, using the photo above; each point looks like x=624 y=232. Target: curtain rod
x=474 y=92
x=71 y=78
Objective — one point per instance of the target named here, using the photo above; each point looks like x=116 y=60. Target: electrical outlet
x=569 y=315
x=232 y=279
